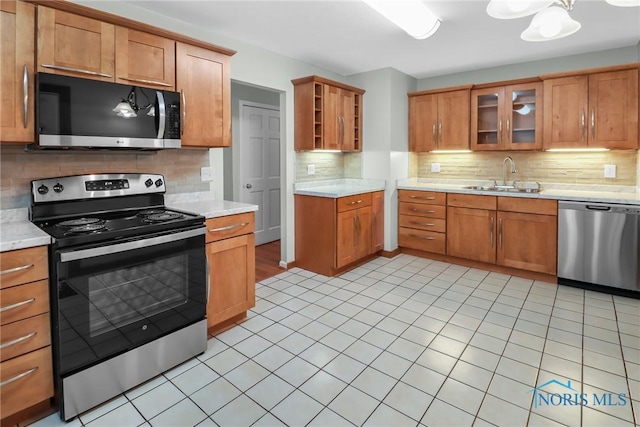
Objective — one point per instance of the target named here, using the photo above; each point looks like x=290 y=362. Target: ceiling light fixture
x=509 y=9
x=624 y=3
x=412 y=16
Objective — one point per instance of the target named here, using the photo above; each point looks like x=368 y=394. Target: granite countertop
x=602 y=194
x=335 y=188
x=213 y=208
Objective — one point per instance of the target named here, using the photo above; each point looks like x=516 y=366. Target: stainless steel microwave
x=74 y=112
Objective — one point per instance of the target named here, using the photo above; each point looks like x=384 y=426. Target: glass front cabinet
x=507 y=117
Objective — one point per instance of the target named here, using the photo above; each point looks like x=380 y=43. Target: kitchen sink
x=501 y=188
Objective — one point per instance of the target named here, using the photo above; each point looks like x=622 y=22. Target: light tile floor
x=403 y=341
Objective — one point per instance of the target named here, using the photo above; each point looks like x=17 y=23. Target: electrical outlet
x=206 y=174
x=609 y=171
x=435 y=167
x=311 y=169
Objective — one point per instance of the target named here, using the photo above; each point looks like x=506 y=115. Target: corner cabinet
x=232 y=266
x=204 y=81
x=333 y=234
x=17 y=65
x=596 y=110
x=507 y=117
x=439 y=120
x=327 y=114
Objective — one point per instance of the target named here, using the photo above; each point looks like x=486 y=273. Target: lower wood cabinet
x=422 y=220
x=334 y=233
x=232 y=265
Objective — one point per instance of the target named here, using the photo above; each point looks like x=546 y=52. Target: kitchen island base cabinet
x=231 y=255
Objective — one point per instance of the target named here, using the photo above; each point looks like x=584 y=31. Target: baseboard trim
x=391 y=254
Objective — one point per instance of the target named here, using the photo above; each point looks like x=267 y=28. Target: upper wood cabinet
x=144 y=59
x=17 y=25
x=328 y=115
x=597 y=110
x=440 y=120
x=204 y=81
x=75 y=45
x=507 y=117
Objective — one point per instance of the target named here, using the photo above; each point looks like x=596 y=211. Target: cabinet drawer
x=427 y=211
x=20 y=302
x=422 y=240
x=472 y=201
x=23 y=266
x=429 y=197
x=432 y=224
x=229 y=226
x=28 y=380
x=24 y=336
x=534 y=206
x=353 y=202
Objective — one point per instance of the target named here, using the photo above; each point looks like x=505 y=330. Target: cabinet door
x=353 y=235
x=565 y=112
x=527 y=241
x=231 y=278
x=423 y=123
x=202 y=77
x=144 y=59
x=523 y=112
x=453 y=120
x=347 y=130
x=377 y=221
x=488 y=119
x=74 y=45
x=613 y=109
x=17 y=25
x=471 y=234
x=331 y=117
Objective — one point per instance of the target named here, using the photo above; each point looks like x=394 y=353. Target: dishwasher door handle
x=598 y=208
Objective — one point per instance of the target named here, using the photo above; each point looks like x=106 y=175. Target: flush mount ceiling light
x=624 y=3
x=410 y=15
x=509 y=9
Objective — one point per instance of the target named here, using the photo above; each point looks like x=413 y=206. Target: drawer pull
x=422 y=198
x=17 y=377
x=76 y=70
x=151 y=82
x=422 y=237
x=426 y=224
x=16 y=305
x=421 y=210
x=354 y=203
x=17 y=340
x=16 y=269
x=228 y=227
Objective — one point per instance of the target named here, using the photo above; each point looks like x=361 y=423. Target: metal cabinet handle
x=151 y=82
x=491 y=227
x=422 y=198
x=593 y=124
x=227 y=228
x=25 y=93
x=500 y=232
x=422 y=237
x=184 y=112
x=76 y=70
x=500 y=130
x=16 y=305
x=354 y=203
x=17 y=340
x=16 y=269
x=425 y=224
x=433 y=132
x=421 y=210
x=17 y=377
x=440 y=130
x=508 y=130
x=582 y=126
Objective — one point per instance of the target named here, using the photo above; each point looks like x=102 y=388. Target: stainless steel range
x=128 y=283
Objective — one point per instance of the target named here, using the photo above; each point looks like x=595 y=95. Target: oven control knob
x=148 y=182
x=43 y=189
x=159 y=183
x=58 y=188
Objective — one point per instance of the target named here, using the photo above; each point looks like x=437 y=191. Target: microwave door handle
x=162 y=115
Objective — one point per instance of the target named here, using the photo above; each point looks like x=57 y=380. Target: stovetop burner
x=79 y=222
x=162 y=217
x=87 y=228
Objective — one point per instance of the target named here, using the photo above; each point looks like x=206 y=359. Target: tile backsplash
x=328 y=166
x=563 y=168
x=181 y=169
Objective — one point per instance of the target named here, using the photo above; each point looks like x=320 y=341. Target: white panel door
x=260 y=168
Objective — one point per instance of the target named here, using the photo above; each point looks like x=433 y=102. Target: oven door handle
x=128 y=246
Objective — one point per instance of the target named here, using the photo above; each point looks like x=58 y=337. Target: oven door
x=112 y=298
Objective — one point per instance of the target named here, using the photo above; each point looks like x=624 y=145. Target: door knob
x=248 y=186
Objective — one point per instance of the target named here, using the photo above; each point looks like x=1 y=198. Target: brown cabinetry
x=328 y=115
x=598 y=110
x=507 y=117
x=334 y=233
x=422 y=220
x=17 y=24
x=204 y=81
x=231 y=258
x=439 y=120
x=25 y=348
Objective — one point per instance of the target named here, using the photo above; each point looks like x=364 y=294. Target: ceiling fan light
x=550 y=24
x=412 y=16
x=624 y=3
x=510 y=9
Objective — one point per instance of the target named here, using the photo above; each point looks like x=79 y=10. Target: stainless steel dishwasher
x=599 y=244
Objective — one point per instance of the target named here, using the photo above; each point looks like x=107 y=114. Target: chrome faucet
x=504 y=169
